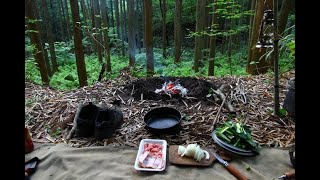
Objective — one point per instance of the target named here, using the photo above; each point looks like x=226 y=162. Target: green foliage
x=227 y=11
x=56 y=133
x=32 y=72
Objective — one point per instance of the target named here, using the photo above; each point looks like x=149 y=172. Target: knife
x=229 y=167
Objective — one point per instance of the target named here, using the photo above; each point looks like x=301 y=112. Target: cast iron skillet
x=163 y=120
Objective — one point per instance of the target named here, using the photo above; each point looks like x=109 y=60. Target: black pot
x=163 y=120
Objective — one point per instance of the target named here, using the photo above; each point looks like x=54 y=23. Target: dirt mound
x=197 y=88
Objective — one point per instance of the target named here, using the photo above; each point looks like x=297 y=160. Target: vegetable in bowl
x=238 y=135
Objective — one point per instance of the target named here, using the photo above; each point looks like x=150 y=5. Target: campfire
x=171 y=88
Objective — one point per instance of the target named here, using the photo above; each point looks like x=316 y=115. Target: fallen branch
x=218 y=114
x=221 y=96
x=72 y=131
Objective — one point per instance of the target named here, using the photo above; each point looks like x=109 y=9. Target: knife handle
x=235 y=172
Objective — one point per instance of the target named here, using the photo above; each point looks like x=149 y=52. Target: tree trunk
x=61 y=21
x=67 y=19
x=199 y=40
x=163 y=8
x=42 y=35
x=85 y=22
x=138 y=24
x=112 y=17
x=105 y=33
x=116 y=9
x=257 y=64
x=212 y=44
x=229 y=53
x=142 y=30
x=122 y=28
x=49 y=34
x=81 y=66
x=125 y=20
x=148 y=36
x=97 y=36
x=35 y=39
x=286 y=7
x=253 y=8
x=131 y=32
x=177 y=31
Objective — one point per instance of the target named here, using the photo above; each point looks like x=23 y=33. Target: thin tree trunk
x=42 y=34
x=112 y=17
x=137 y=25
x=199 y=43
x=257 y=64
x=144 y=23
x=286 y=7
x=116 y=9
x=122 y=28
x=81 y=66
x=148 y=36
x=212 y=43
x=35 y=39
x=125 y=20
x=49 y=34
x=61 y=21
x=67 y=18
x=85 y=22
x=253 y=8
x=131 y=32
x=105 y=33
x=97 y=23
x=230 y=53
x=64 y=20
x=54 y=24
x=163 y=8
x=177 y=31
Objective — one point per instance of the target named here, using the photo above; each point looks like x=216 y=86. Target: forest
x=199 y=77
x=71 y=44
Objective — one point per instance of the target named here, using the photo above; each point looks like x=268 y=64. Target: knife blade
x=229 y=167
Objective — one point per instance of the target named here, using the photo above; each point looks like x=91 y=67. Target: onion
x=207 y=155
x=193 y=150
x=190 y=150
x=181 y=149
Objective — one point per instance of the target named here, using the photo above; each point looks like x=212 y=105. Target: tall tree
x=148 y=36
x=122 y=27
x=61 y=21
x=125 y=19
x=105 y=33
x=212 y=43
x=86 y=22
x=257 y=64
x=34 y=34
x=131 y=33
x=163 y=8
x=177 y=31
x=253 y=8
x=286 y=7
x=81 y=66
x=138 y=25
x=49 y=34
x=112 y=17
x=97 y=22
x=42 y=36
x=199 y=40
x=116 y=9
x=67 y=18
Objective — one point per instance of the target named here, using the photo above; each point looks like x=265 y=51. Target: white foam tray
x=141 y=148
